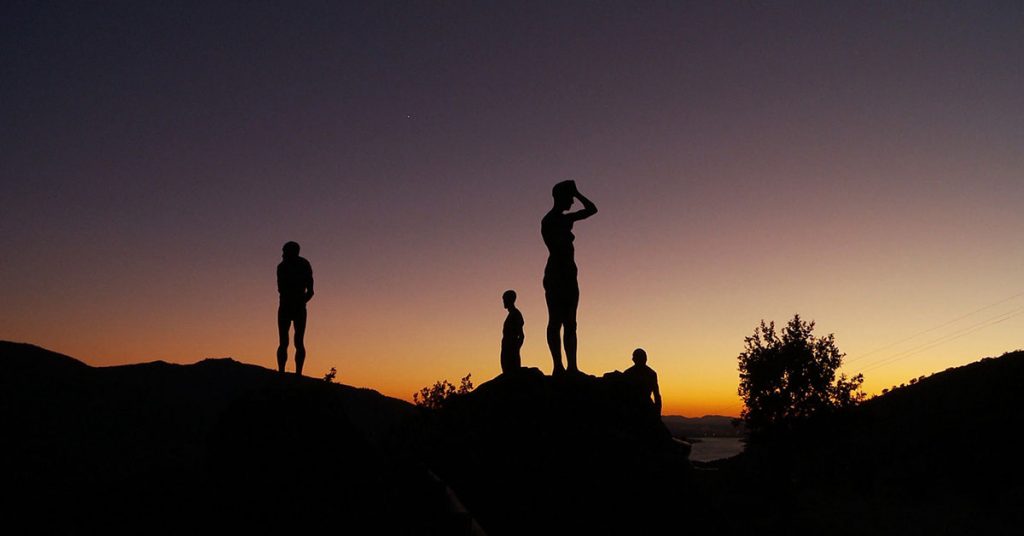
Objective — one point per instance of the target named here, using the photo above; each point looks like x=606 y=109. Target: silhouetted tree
x=792 y=375
x=437 y=395
x=329 y=377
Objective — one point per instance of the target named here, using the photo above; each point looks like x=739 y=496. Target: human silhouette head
x=563 y=193
x=290 y=249
x=508 y=298
x=639 y=356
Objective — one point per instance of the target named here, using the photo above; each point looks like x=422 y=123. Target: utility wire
x=929 y=330
x=944 y=339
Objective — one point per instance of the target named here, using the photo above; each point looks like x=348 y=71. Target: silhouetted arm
x=589 y=208
x=657 y=395
x=309 y=284
x=520 y=336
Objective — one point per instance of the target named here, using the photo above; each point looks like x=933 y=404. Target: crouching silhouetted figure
x=511 y=334
x=295 y=285
x=642 y=383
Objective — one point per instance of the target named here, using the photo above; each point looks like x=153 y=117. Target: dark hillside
x=214 y=446
x=224 y=446
x=221 y=446
x=936 y=456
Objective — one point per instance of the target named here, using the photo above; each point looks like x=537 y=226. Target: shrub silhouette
x=437 y=395
x=791 y=375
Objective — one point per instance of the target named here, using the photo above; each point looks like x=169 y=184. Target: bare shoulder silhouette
x=295 y=286
x=561 y=288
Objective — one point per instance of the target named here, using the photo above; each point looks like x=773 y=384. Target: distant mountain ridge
x=706 y=426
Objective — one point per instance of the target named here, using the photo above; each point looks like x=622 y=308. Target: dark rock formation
x=530 y=453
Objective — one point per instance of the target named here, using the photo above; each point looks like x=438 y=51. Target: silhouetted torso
x=556 y=229
x=294 y=278
x=512 y=330
x=642 y=383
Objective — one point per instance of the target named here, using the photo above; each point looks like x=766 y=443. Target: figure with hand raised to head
x=561 y=288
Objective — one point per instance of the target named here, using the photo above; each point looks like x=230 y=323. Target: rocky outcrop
x=528 y=452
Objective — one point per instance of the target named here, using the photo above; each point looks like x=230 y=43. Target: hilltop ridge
x=224 y=446
x=246 y=446
x=217 y=444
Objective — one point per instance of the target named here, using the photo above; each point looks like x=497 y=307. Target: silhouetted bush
x=331 y=375
x=791 y=375
x=437 y=395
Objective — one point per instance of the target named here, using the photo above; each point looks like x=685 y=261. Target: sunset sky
x=859 y=163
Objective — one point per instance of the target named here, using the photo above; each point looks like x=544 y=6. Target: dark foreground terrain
x=936 y=457
x=223 y=446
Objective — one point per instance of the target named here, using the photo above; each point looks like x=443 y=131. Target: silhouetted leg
x=569 y=335
x=511 y=361
x=555 y=345
x=283 y=322
x=300 y=342
x=505 y=359
x=554 y=326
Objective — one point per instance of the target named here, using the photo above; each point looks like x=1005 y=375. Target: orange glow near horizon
x=424 y=330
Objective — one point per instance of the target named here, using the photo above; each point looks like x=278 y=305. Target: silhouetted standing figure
x=643 y=381
x=561 y=289
x=511 y=334
x=295 y=285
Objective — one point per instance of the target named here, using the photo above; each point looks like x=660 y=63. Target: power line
x=948 y=337
x=929 y=330
x=944 y=339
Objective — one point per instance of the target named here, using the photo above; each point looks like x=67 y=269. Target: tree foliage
x=791 y=375
x=437 y=395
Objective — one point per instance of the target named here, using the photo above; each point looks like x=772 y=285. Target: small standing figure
x=295 y=285
x=561 y=288
x=643 y=381
x=511 y=334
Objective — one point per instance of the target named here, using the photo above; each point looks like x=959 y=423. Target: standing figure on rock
x=295 y=285
x=511 y=334
x=561 y=289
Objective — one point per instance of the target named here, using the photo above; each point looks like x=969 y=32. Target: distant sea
x=706 y=449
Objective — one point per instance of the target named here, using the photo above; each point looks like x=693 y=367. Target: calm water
x=714 y=448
